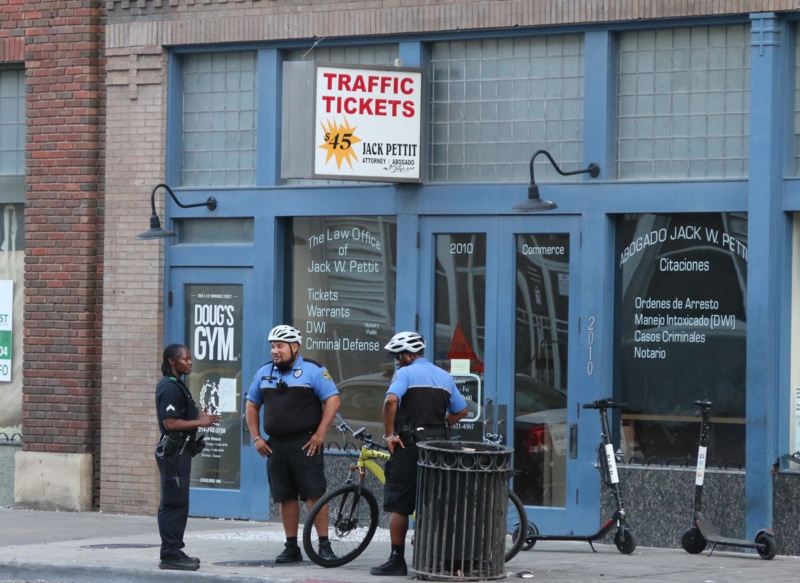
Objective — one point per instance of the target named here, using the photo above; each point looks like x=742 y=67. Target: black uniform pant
x=174 y=508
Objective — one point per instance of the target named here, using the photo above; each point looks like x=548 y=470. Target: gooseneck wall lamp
x=534 y=204
x=156 y=232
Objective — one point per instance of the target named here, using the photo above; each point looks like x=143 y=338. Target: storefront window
x=12 y=122
x=220 y=93
x=493 y=98
x=12 y=249
x=797 y=109
x=681 y=333
x=343 y=301
x=684 y=103
x=541 y=344
x=793 y=406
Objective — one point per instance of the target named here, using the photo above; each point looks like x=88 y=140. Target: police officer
x=178 y=421
x=292 y=390
x=421 y=404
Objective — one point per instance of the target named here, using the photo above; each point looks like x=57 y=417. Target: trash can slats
x=462 y=501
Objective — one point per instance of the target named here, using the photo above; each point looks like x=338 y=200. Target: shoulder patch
x=394 y=376
x=313 y=362
x=326 y=375
x=297 y=373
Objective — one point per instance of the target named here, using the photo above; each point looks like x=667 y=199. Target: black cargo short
x=400 y=493
x=292 y=473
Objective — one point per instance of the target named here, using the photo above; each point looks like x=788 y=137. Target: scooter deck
x=712 y=535
x=604 y=530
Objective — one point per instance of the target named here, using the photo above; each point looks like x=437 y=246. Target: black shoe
x=326 y=552
x=179 y=565
x=191 y=559
x=291 y=554
x=394 y=567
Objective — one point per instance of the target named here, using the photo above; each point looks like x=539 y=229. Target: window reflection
x=541 y=359
x=343 y=301
x=681 y=325
x=460 y=320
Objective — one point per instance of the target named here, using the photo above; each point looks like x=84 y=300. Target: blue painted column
x=599 y=103
x=766 y=230
x=270 y=91
x=596 y=331
x=413 y=54
x=596 y=276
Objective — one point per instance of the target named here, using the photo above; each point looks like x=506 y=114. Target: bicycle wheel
x=517 y=526
x=352 y=520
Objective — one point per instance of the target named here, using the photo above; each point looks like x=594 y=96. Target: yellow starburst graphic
x=339 y=140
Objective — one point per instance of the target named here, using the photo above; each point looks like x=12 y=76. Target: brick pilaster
x=64 y=61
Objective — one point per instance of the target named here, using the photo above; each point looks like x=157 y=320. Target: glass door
x=212 y=311
x=496 y=298
x=459 y=282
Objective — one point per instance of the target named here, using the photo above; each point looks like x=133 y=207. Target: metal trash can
x=462 y=502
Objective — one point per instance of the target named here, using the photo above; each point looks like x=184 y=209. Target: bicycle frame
x=365 y=457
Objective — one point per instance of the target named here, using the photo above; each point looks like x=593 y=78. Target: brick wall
x=64 y=62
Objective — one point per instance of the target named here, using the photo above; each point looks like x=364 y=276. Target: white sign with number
x=367 y=123
x=6 y=310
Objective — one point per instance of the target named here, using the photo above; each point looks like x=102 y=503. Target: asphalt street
x=59 y=547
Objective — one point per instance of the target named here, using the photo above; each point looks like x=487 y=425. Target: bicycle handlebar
x=361 y=434
x=604 y=404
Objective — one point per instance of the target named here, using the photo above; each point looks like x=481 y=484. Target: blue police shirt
x=427 y=393
x=303 y=373
x=296 y=408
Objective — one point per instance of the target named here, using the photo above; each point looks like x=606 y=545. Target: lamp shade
x=534 y=204
x=155 y=232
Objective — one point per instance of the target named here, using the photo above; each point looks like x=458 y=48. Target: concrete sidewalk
x=59 y=546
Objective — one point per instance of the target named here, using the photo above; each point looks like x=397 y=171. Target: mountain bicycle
x=353 y=510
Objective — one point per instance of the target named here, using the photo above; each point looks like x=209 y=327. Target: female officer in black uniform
x=178 y=421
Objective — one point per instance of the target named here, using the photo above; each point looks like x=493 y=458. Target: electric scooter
x=624 y=539
x=696 y=537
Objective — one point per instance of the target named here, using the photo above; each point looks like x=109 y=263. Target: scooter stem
x=611 y=462
x=702 y=459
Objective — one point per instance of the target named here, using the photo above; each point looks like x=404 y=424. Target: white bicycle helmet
x=405 y=341
x=284 y=333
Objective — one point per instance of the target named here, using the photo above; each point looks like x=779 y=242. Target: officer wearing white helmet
x=421 y=404
x=300 y=401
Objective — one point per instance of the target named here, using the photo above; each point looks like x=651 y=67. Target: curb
x=29 y=570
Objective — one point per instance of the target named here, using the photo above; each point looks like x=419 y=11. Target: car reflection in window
x=540 y=441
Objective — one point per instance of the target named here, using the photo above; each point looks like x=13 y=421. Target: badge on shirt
x=297 y=373
x=170 y=408
x=326 y=375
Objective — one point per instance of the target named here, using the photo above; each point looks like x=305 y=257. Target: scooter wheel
x=627 y=546
x=530 y=542
x=770 y=546
x=693 y=541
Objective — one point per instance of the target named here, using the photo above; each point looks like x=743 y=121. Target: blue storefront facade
x=665 y=279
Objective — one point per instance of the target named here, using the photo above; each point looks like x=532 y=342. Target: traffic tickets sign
x=368 y=123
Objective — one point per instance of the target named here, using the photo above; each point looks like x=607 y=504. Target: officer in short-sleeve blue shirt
x=421 y=403
x=300 y=401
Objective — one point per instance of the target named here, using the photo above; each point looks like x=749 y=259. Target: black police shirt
x=173 y=400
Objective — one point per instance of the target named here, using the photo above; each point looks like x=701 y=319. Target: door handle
x=573 y=441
